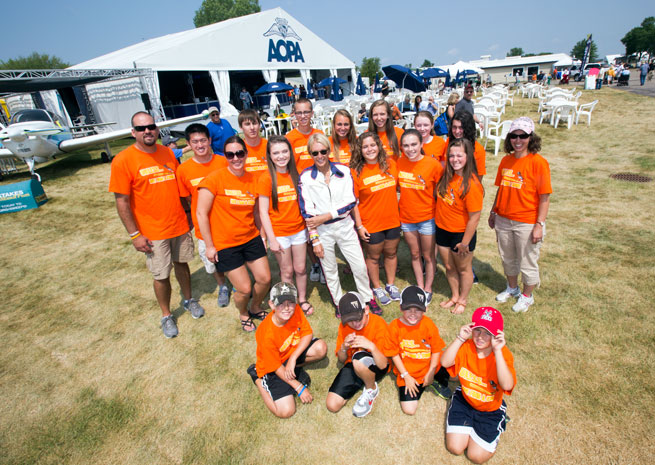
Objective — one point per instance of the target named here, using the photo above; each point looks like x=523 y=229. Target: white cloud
x=453 y=51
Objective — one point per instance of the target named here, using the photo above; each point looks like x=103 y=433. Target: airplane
x=36 y=135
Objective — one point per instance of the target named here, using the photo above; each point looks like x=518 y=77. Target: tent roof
x=562 y=58
x=235 y=44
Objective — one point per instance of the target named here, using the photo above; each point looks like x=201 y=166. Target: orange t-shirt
x=479 y=154
x=301 y=154
x=387 y=146
x=452 y=212
x=256 y=161
x=189 y=175
x=435 y=148
x=275 y=344
x=149 y=180
x=520 y=182
x=479 y=377
x=287 y=221
x=232 y=216
x=417 y=181
x=376 y=192
x=345 y=153
x=375 y=331
x=415 y=345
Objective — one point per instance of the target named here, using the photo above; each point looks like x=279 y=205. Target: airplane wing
x=71 y=145
x=5 y=153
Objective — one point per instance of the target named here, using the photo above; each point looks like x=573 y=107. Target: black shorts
x=277 y=387
x=484 y=428
x=347 y=383
x=233 y=257
x=387 y=234
x=408 y=397
x=451 y=239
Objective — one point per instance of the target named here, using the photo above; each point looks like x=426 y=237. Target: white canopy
x=460 y=66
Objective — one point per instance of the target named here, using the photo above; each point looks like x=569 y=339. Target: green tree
x=34 y=61
x=370 y=66
x=214 y=11
x=515 y=52
x=641 y=39
x=427 y=64
x=578 y=49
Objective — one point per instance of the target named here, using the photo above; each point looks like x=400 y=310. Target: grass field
x=87 y=377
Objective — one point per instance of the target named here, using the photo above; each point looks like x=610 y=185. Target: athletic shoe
x=303 y=377
x=382 y=296
x=507 y=293
x=364 y=403
x=374 y=307
x=168 y=326
x=475 y=278
x=321 y=276
x=441 y=390
x=428 y=298
x=315 y=272
x=223 y=296
x=252 y=372
x=393 y=292
x=194 y=308
x=523 y=303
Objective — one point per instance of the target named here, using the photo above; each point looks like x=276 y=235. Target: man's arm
x=140 y=242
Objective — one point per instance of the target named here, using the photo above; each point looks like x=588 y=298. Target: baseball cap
x=283 y=292
x=488 y=318
x=351 y=307
x=524 y=124
x=211 y=110
x=167 y=139
x=412 y=297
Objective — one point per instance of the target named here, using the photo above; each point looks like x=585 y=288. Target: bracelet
x=461 y=338
x=135 y=233
x=135 y=236
x=304 y=386
x=314 y=244
x=492 y=213
x=402 y=375
x=313 y=236
x=360 y=227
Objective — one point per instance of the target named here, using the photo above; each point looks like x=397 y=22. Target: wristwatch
x=542 y=223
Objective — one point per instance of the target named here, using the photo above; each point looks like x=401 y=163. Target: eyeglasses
x=302 y=113
x=520 y=136
x=238 y=154
x=214 y=114
x=316 y=152
x=149 y=127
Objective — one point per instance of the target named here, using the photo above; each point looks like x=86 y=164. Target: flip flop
x=307 y=311
x=454 y=311
x=248 y=325
x=447 y=303
x=258 y=316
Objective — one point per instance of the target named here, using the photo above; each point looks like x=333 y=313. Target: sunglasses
x=322 y=152
x=238 y=154
x=150 y=127
x=520 y=136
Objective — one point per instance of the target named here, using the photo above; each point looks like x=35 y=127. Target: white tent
x=268 y=41
x=460 y=66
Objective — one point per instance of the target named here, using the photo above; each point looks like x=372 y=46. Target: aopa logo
x=284 y=49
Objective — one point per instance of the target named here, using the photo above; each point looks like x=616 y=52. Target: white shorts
x=210 y=267
x=299 y=238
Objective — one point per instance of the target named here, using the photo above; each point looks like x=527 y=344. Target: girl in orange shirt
x=381 y=122
x=459 y=203
x=343 y=136
x=376 y=217
x=433 y=146
x=281 y=218
x=229 y=221
x=463 y=125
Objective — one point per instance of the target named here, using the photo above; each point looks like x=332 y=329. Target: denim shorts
x=425 y=228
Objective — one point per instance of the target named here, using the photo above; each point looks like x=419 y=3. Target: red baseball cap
x=488 y=318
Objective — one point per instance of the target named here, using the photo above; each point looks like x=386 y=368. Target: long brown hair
x=357 y=160
x=272 y=171
x=468 y=172
x=388 y=128
x=351 y=137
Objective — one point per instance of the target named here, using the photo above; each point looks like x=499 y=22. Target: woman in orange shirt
x=417 y=176
x=376 y=216
x=519 y=211
x=343 y=136
x=463 y=125
x=459 y=203
x=381 y=123
x=281 y=218
x=229 y=223
x=433 y=146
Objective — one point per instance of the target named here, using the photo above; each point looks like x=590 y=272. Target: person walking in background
x=246 y=99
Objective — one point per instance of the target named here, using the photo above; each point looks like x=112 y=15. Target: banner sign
x=21 y=196
x=283 y=49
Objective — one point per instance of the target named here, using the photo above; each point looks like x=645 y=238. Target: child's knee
x=319 y=349
x=478 y=455
x=285 y=411
x=334 y=403
x=408 y=408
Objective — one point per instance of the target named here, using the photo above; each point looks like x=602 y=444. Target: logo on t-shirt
x=511 y=180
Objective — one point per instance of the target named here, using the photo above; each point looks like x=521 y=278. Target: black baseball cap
x=351 y=307
x=413 y=297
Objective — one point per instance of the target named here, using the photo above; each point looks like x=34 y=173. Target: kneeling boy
x=360 y=340
x=485 y=366
x=284 y=344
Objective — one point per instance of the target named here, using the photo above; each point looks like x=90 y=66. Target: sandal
x=248 y=325
x=258 y=316
x=307 y=311
x=447 y=303
x=461 y=305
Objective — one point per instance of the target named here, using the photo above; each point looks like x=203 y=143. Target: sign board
x=21 y=196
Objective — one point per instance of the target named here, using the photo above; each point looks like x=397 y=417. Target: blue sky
x=399 y=32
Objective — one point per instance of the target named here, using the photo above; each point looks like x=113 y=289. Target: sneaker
x=321 y=276
x=168 y=326
x=303 y=377
x=364 y=404
x=475 y=278
x=393 y=292
x=194 y=308
x=523 y=303
x=315 y=272
x=382 y=296
x=507 y=293
x=252 y=371
x=374 y=307
x=428 y=298
x=441 y=390
x=223 y=296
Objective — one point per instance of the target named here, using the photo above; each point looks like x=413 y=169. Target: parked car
x=575 y=74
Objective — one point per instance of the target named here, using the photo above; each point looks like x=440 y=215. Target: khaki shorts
x=166 y=251
x=517 y=252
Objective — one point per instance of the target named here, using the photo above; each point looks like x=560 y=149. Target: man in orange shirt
x=148 y=203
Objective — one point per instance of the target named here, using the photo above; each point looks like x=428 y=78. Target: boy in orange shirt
x=285 y=343
x=415 y=346
x=485 y=366
x=360 y=340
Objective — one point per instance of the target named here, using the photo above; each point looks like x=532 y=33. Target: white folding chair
x=585 y=110
x=501 y=133
x=566 y=113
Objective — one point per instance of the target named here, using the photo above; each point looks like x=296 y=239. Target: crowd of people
x=301 y=197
